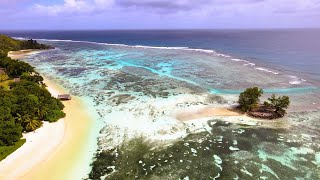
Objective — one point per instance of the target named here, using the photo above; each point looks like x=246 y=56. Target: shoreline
x=57 y=150
x=23 y=53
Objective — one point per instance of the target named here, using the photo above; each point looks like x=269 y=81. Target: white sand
x=22 y=53
x=39 y=144
x=59 y=150
x=36 y=149
x=206 y=112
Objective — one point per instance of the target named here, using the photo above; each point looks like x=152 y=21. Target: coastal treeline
x=8 y=44
x=24 y=103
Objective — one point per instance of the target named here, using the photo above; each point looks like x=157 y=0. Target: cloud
x=298 y=7
x=98 y=6
x=91 y=7
x=163 y=4
x=164 y=13
x=180 y=5
x=74 y=7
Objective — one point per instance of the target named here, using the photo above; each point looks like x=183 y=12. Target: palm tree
x=19 y=119
x=41 y=113
x=31 y=124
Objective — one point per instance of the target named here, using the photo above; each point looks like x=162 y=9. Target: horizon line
x=165 y=29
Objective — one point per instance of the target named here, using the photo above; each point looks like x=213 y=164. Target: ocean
x=287 y=49
x=138 y=82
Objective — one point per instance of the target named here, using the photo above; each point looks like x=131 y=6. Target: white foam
x=296 y=80
x=223 y=55
x=247 y=63
x=266 y=70
x=232 y=148
x=158 y=47
x=134 y=46
x=167 y=48
x=251 y=64
x=236 y=59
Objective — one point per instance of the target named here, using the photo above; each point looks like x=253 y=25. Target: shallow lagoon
x=135 y=92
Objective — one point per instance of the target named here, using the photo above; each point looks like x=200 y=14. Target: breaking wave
x=294 y=80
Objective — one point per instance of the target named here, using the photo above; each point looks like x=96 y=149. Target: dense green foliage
x=25 y=104
x=7 y=150
x=8 y=44
x=15 y=68
x=32 y=44
x=10 y=131
x=275 y=107
x=250 y=98
x=279 y=104
x=24 y=108
x=3 y=77
x=34 y=77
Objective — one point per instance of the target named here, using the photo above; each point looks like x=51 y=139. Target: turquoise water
x=286 y=49
x=279 y=91
x=137 y=92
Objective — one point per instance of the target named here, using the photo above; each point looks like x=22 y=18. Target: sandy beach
x=56 y=150
x=206 y=112
x=227 y=114
x=22 y=53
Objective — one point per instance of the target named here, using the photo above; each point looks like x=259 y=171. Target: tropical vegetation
x=274 y=107
x=250 y=98
x=6 y=150
x=8 y=44
x=279 y=104
x=25 y=104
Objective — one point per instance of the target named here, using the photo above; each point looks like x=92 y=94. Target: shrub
x=280 y=104
x=4 y=77
x=54 y=116
x=10 y=132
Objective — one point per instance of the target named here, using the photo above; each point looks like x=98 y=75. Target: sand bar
x=206 y=112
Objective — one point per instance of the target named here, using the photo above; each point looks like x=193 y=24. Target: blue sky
x=158 y=14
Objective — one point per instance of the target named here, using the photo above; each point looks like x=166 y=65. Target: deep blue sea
x=295 y=50
x=152 y=94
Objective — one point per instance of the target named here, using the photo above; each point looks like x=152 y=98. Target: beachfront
x=56 y=150
x=167 y=113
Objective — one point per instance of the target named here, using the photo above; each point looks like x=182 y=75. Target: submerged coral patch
x=135 y=93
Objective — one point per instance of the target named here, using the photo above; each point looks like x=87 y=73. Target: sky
x=158 y=14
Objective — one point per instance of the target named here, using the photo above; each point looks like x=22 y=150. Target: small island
x=24 y=100
x=273 y=108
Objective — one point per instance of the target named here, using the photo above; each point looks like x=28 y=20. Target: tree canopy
x=9 y=44
x=280 y=104
x=250 y=98
x=27 y=103
x=274 y=107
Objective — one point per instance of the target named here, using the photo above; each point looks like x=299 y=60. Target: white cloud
x=183 y=13
x=176 y=6
x=74 y=7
